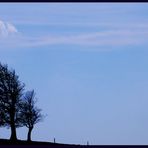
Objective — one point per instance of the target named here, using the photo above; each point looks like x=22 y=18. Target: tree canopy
x=16 y=109
x=30 y=114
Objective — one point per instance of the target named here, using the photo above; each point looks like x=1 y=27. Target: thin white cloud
x=6 y=29
x=11 y=28
x=104 y=38
x=111 y=37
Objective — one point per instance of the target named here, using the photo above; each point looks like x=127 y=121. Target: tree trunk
x=13 y=132
x=29 y=134
x=12 y=125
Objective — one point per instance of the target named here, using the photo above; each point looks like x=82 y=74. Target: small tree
x=30 y=114
x=10 y=97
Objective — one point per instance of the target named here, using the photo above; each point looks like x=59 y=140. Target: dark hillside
x=25 y=144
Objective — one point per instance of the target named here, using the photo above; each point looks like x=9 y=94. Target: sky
x=88 y=65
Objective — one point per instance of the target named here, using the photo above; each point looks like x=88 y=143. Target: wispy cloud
x=122 y=36
x=114 y=38
x=6 y=29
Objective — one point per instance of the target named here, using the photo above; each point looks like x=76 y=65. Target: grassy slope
x=58 y=145
x=23 y=142
x=6 y=141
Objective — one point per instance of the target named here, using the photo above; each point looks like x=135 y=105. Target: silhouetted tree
x=10 y=97
x=30 y=114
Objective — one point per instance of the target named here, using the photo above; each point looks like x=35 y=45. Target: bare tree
x=30 y=114
x=10 y=96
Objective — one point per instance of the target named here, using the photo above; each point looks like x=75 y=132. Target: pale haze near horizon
x=87 y=63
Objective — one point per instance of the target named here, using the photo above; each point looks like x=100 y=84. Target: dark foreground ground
x=37 y=144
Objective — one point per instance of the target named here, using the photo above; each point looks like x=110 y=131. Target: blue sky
x=87 y=63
